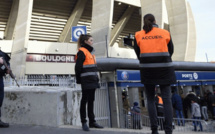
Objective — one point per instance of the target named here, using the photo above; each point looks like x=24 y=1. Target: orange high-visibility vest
x=160 y=101
x=89 y=65
x=154 y=45
x=154 y=41
x=89 y=58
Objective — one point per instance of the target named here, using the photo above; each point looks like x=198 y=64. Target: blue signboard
x=134 y=75
x=132 y=78
x=195 y=75
x=128 y=75
x=77 y=31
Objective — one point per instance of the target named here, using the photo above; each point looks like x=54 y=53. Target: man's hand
x=8 y=71
x=1 y=60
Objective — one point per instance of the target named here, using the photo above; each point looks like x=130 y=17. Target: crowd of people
x=194 y=105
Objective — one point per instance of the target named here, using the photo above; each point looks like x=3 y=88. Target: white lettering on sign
x=187 y=76
x=195 y=75
x=50 y=58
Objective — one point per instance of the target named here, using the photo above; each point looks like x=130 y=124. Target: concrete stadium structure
x=37 y=33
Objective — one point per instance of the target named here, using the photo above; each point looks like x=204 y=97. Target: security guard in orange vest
x=154 y=49
x=159 y=103
x=87 y=75
x=160 y=110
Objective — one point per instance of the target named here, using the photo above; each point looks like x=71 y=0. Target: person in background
x=154 y=48
x=125 y=101
x=160 y=110
x=211 y=103
x=196 y=114
x=187 y=102
x=87 y=75
x=178 y=106
x=135 y=113
x=3 y=72
x=204 y=109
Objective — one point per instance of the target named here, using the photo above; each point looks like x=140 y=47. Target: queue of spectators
x=195 y=105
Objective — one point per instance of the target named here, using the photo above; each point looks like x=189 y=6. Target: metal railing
x=42 y=80
x=132 y=120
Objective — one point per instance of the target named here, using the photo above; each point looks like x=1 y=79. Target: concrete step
x=68 y=129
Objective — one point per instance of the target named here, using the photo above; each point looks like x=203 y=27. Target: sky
x=204 y=15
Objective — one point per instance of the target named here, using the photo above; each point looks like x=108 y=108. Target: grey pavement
x=26 y=129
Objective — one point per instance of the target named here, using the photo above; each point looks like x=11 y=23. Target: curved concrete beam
x=178 y=24
x=191 y=48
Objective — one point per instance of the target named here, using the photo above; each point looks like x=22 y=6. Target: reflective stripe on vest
x=154 y=54
x=89 y=66
x=147 y=65
x=88 y=74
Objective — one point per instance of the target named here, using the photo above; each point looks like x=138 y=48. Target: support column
x=21 y=38
x=154 y=7
x=9 y=31
x=101 y=25
x=133 y=93
x=121 y=24
x=72 y=21
x=115 y=104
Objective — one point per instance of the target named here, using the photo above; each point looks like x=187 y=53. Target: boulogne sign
x=50 y=58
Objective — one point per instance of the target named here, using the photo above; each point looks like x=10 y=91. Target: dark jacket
x=6 y=58
x=203 y=101
x=136 y=113
x=188 y=99
x=177 y=102
x=155 y=66
x=210 y=99
x=89 y=81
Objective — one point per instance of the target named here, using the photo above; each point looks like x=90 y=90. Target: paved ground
x=25 y=129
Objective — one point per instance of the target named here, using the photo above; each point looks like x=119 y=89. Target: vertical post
x=206 y=56
x=21 y=38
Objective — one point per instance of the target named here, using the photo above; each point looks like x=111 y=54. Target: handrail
x=179 y=125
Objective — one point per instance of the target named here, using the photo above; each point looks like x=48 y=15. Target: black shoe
x=95 y=125
x=85 y=127
x=154 y=131
x=3 y=125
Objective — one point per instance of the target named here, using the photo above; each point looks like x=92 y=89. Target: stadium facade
x=37 y=33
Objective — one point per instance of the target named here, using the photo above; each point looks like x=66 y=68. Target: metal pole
x=206 y=56
x=106 y=44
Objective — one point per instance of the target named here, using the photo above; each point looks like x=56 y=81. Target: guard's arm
x=136 y=49
x=170 y=47
x=78 y=66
